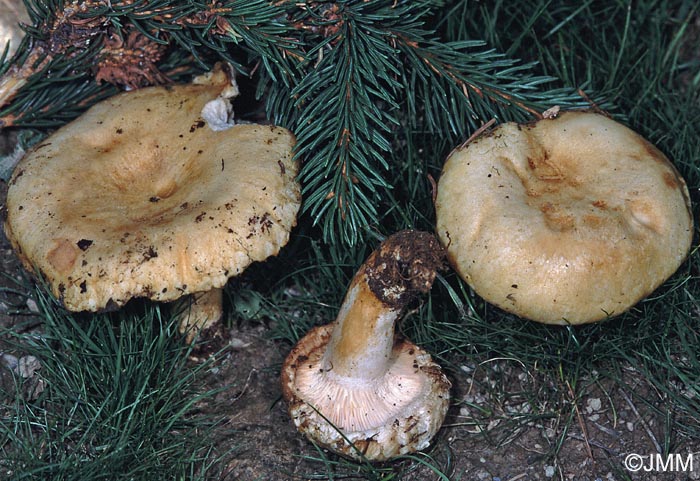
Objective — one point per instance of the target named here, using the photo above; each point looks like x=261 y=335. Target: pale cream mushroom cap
x=563 y=221
x=140 y=198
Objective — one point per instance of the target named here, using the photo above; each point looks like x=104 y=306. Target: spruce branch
x=133 y=44
x=347 y=104
x=343 y=76
x=371 y=65
x=471 y=82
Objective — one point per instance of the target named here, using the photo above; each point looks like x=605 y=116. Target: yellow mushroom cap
x=139 y=197
x=563 y=221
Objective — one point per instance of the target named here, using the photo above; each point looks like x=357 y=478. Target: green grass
x=118 y=401
x=115 y=383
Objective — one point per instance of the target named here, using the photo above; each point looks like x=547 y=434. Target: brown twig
x=433 y=187
x=477 y=133
x=593 y=105
x=471 y=138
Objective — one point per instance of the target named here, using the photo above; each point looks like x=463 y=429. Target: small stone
x=549 y=471
x=236 y=343
x=492 y=424
x=630 y=426
x=9 y=361
x=33 y=307
x=593 y=404
x=27 y=366
x=483 y=475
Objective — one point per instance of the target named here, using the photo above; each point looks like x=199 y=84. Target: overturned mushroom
x=355 y=387
x=563 y=221
x=139 y=197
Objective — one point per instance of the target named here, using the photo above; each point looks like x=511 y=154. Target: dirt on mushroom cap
x=139 y=198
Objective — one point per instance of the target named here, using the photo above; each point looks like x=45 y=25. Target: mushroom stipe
x=354 y=386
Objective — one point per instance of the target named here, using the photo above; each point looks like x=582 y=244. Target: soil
x=483 y=437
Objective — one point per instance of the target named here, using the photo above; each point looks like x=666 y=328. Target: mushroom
x=567 y=220
x=139 y=197
x=355 y=387
x=13 y=13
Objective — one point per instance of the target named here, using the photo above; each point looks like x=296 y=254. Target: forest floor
x=504 y=422
x=491 y=432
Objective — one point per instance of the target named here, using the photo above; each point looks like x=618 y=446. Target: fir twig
x=128 y=44
x=372 y=66
x=343 y=76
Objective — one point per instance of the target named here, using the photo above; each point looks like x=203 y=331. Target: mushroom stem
x=363 y=336
x=403 y=266
x=199 y=311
